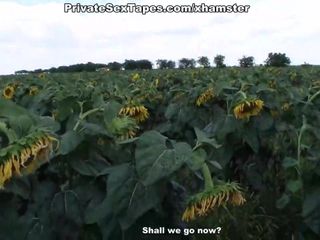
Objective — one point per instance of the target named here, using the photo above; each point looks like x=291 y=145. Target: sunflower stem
x=302 y=130
x=313 y=96
x=84 y=115
x=208 y=182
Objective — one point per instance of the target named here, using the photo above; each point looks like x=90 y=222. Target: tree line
x=273 y=60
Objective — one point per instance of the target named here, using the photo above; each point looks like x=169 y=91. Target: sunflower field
x=100 y=156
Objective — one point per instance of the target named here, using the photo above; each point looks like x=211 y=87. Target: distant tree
x=53 y=70
x=165 y=64
x=162 y=63
x=38 y=70
x=219 y=61
x=139 y=64
x=129 y=65
x=171 y=64
x=204 y=62
x=144 y=64
x=114 y=66
x=187 y=63
x=246 y=61
x=277 y=60
x=21 y=72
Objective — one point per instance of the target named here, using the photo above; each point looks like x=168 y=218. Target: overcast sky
x=38 y=34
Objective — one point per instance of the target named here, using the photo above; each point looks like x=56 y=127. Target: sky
x=38 y=34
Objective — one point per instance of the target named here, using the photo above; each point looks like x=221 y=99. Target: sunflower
x=156 y=82
x=285 y=107
x=33 y=90
x=25 y=159
x=123 y=128
x=205 y=97
x=136 y=77
x=139 y=113
x=204 y=203
x=272 y=84
x=248 y=108
x=42 y=75
x=8 y=92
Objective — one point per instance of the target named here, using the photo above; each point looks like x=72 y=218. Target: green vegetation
x=100 y=155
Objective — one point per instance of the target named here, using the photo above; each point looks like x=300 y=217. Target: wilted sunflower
x=139 y=113
x=248 y=108
x=24 y=159
x=204 y=203
x=8 y=92
x=123 y=128
x=33 y=90
x=205 y=97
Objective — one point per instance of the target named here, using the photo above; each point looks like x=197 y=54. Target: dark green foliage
x=137 y=64
x=96 y=187
x=165 y=64
x=277 y=60
x=187 y=63
x=219 y=61
x=246 y=61
x=114 y=66
x=204 y=62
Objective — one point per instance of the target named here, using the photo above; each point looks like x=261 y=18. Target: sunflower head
x=204 y=203
x=248 y=108
x=42 y=75
x=285 y=107
x=33 y=90
x=138 y=112
x=8 y=92
x=205 y=97
x=156 y=82
x=272 y=84
x=135 y=77
x=124 y=127
x=25 y=155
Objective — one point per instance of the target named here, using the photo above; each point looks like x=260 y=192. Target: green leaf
x=111 y=111
x=283 y=201
x=89 y=167
x=48 y=123
x=202 y=138
x=66 y=204
x=157 y=157
x=311 y=210
x=107 y=227
x=289 y=162
x=264 y=121
x=21 y=124
x=69 y=141
x=216 y=164
x=19 y=186
x=129 y=198
x=251 y=138
x=172 y=110
x=11 y=110
x=294 y=185
x=99 y=212
x=94 y=129
x=197 y=159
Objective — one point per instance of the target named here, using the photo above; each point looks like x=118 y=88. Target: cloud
x=38 y=34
